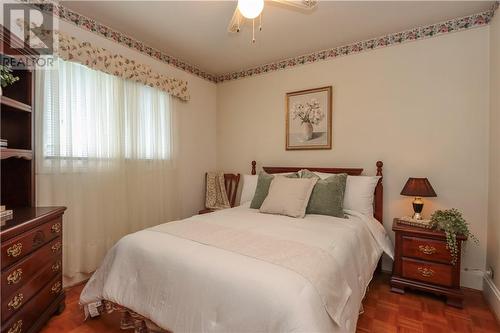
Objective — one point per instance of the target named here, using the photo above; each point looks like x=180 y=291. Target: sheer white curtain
x=105 y=149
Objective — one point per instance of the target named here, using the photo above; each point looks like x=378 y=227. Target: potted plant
x=6 y=77
x=452 y=223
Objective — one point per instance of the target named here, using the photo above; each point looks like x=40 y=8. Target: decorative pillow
x=327 y=197
x=263 y=182
x=288 y=196
x=304 y=173
x=249 y=186
x=359 y=193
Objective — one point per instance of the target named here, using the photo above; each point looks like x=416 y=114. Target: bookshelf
x=17 y=127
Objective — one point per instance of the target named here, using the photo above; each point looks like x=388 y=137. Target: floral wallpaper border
x=417 y=33
x=453 y=25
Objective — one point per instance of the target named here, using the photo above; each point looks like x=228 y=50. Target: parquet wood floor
x=385 y=312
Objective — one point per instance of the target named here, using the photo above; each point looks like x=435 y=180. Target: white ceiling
x=195 y=31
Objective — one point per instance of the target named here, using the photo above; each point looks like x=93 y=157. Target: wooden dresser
x=423 y=262
x=31 y=261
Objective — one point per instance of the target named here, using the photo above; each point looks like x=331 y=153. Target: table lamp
x=418 y=188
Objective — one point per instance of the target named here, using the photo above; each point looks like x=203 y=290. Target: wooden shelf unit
x=15 y=104
x=17 y=127
x=31 y=251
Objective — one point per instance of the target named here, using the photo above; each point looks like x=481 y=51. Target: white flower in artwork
x=308 y=112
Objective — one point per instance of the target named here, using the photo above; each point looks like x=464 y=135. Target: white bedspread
x=186 y=286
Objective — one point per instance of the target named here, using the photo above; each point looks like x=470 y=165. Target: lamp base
x=418 y=206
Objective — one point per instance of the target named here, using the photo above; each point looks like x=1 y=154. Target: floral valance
x=85 y=53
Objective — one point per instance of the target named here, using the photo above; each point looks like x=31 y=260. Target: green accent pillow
x=327 y=197
x=304 y=173
x=263 y=182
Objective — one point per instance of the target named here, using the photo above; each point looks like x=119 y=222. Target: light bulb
x=250 y=8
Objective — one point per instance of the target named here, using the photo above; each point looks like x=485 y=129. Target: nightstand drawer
x=427 y=272
x=427 y=249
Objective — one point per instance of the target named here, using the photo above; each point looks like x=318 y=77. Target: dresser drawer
x=18 y=247
x=427 y=249
x=22 y=271
x=15 y=302
x=427 y=272
x=29 y=313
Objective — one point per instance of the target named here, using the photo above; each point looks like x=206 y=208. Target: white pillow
x=288 y=196
x=359 y=193
x=249 y=186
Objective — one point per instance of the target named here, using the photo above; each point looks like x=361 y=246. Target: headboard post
x=253 y=167
x=379 y=194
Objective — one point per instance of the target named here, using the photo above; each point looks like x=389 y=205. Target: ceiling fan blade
x=302 y=4
x=236 y=21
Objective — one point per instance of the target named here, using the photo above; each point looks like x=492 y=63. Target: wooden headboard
x=378 y=202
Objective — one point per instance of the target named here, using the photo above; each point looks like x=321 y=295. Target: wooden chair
x=231 y=182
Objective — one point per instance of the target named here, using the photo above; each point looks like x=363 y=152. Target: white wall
x=493 y=257
x=421 y=108
x=196 y=119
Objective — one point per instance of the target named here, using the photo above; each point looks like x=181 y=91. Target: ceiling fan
x=252 y=9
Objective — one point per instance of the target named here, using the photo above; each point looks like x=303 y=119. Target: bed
x=238 y=270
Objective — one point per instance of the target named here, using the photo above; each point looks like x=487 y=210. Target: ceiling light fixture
x=250 y=9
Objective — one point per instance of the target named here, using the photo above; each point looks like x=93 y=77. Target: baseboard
x=492 y=295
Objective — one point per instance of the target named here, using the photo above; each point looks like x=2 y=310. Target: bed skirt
x=140 y=324
x=131 y=320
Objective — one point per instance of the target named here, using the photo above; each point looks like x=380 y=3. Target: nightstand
x=423 y=262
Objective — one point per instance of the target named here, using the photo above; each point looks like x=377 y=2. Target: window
x=88 y=114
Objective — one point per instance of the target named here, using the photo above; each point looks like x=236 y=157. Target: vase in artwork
x=307 y=131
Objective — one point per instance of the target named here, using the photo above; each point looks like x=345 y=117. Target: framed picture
x=309 y=119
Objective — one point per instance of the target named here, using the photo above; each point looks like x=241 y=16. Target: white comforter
x=186 y=286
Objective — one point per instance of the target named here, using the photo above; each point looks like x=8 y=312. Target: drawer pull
x=17 y=327
x=56 y=247
x=16 y=302
x=56 y=228
x=15 y=250
x=427 y=249
x=426 y=272
x=56 y=288
x=56 y=267
x=15 y=276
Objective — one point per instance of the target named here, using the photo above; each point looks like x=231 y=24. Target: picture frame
x=309 y=119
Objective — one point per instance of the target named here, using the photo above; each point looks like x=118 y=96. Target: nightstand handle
x=427 y=249
x=15 y=276
x=56 y=228
x=426 y=272
x=56 y=247
x=15 y=250
x=16 y=302
x=17 y=327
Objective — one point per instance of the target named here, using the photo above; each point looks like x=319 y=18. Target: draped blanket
x=216 y=196
x=315 y=264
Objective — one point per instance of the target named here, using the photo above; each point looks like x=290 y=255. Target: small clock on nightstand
x=423 y=262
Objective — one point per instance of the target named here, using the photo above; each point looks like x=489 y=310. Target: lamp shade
x=418 y=187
